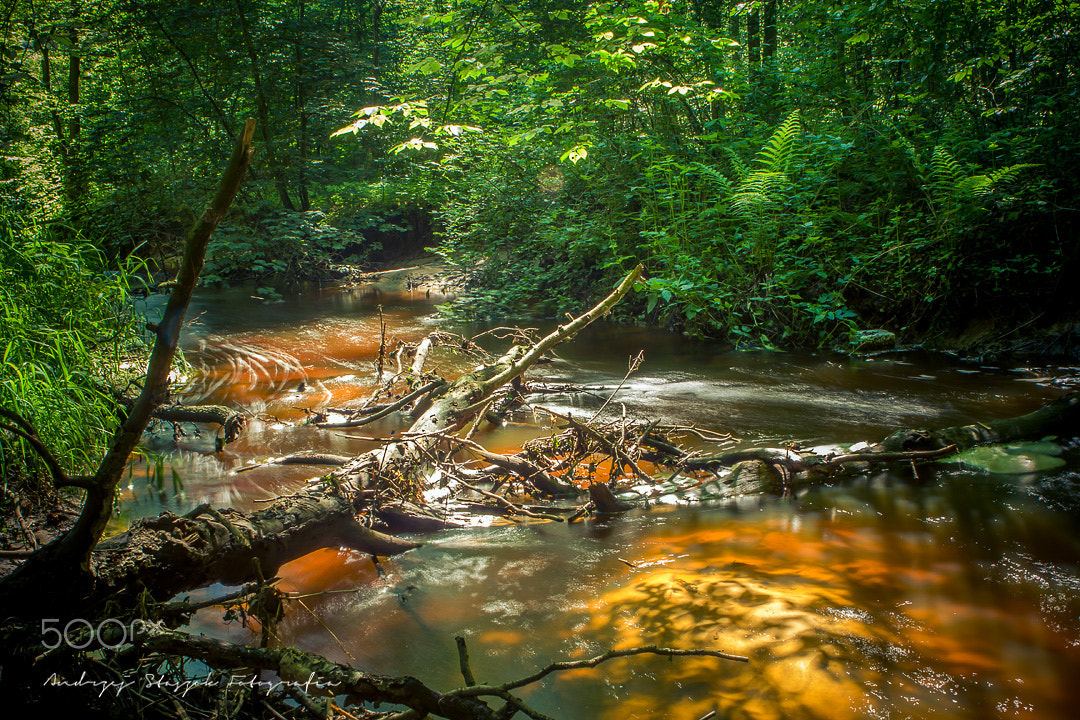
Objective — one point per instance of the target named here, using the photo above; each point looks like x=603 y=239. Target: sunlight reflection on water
x=955 y=597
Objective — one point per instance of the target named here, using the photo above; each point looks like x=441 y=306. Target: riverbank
x=990 y=339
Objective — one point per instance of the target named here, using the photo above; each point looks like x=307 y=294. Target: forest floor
x=33 y=518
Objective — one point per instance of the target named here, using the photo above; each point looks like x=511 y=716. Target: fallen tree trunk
x=1060 y=417
x=232 y=422
x=777 y=471
x=169 y=554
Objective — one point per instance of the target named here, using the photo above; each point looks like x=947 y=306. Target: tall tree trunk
x=263 y=111
x=753 y=40
x=74 y=79
x=376 y=19
x=769 y=29
x=302 y=139
x=770 y=67
x=68 y=137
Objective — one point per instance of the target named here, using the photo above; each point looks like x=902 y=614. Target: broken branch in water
x=479 y=690
x=385 y=410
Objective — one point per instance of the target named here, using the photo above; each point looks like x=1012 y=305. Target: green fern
x=979 y=186
x=760 y=189
x=950 y=181
x=944 y=168
x=741 y=168
x=757 y=193
x=724 y=186
x=779 y=151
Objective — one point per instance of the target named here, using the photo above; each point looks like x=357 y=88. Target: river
x=952 y=593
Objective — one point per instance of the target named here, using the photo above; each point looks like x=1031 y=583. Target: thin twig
x=434 y=384
x=635 y=363
x=382 y=347
x=614 y=450
x=326 y=628
x=479 y=690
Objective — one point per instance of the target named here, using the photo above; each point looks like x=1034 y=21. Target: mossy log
x=232 y=422
x=1060 y=417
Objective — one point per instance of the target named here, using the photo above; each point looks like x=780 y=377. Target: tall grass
x=66 y=328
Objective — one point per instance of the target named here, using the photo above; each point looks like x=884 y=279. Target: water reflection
x=953 y=594
x=850 y=603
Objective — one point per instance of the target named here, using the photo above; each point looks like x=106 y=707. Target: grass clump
x=68 y=330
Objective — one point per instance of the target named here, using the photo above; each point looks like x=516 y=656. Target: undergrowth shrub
x=67 y=331
x=282 y=245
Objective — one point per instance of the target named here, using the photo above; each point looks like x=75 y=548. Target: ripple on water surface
x=955 y=597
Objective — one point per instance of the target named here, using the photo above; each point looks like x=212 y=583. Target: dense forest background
x=790 y=173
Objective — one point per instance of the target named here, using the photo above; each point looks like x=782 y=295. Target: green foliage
x=847 y=210
x=68 y=331
x=282 y=246
x=789 y=172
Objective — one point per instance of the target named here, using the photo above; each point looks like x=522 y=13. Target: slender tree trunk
x=69 y=557
x=376 y=19
x=753 y=40
x=302 y=139
x=74 y=181
x=769 y=30
x=770 y=68
x=263 y=111
x=74 y=79
x=46 y=66
x=735 y=32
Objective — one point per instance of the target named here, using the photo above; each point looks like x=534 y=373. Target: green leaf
x=426 y=66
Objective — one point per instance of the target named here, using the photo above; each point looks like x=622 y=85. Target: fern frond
x=944 y=168
x=951 y=181
x=976 y=185
x=764 y=182
x=740 y=168
x=749 y=205
x=779 y=150
x=722 y=181
x=1008 y=174
x=758 y=192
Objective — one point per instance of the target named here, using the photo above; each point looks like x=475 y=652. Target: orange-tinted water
x=954 y=596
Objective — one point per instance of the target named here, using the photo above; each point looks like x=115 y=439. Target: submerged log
x=1060 y=417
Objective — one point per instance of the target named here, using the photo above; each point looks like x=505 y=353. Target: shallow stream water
x=952 y=593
